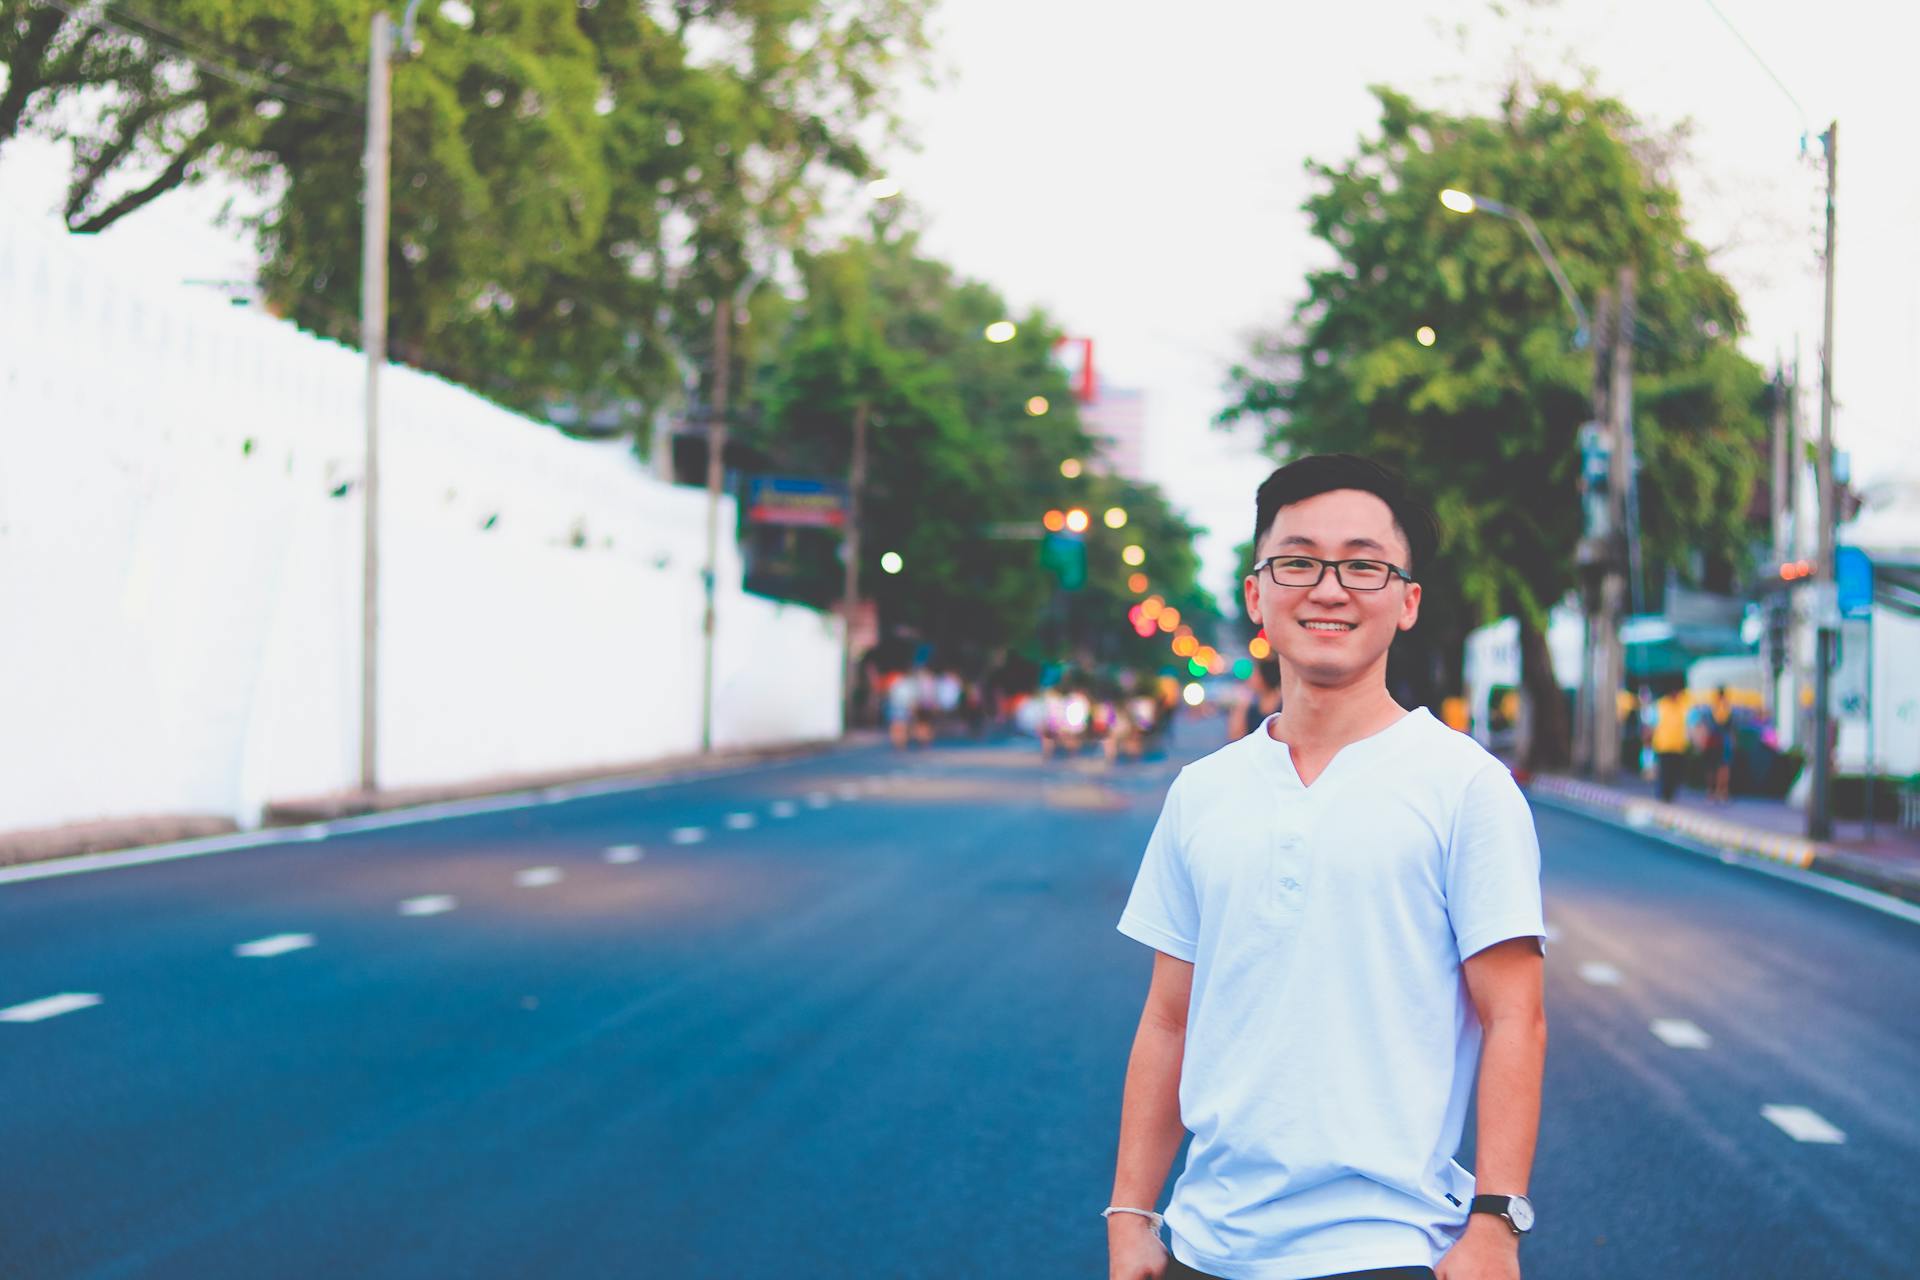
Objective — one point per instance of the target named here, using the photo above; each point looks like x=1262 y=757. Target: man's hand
x=1134 y=1251
x=1488 y=1251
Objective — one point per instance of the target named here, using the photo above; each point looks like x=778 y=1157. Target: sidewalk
x=1888 y=860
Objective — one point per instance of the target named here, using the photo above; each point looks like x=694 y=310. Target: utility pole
x=850 y=597
x=1596 y=471
x=373 y=338
x=1610 y=667
x=1780 y=541
x=1826 y=605
x=716 y=475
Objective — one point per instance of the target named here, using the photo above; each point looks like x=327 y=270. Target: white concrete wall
x=180 y=594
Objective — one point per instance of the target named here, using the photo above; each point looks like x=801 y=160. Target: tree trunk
x=1549 y=735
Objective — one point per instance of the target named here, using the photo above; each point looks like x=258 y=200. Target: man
x=1669 y=740
x=1346 y=913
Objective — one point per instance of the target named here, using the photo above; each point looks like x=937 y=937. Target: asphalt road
x=860 y=1015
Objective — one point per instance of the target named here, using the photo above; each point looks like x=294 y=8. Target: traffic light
x=1065 y=554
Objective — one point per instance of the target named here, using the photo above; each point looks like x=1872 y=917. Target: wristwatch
x=1517 y=1210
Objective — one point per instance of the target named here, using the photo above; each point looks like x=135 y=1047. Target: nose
x=1328 y=590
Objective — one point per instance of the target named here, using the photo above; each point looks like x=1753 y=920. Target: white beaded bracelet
x=1156 y=1219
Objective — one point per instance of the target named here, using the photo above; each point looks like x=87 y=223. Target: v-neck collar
x=1359 y=751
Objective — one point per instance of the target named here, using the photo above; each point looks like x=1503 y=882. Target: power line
x=272 y=71
x=1805 y=131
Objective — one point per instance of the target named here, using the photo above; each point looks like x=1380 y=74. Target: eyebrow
x=1296 y=540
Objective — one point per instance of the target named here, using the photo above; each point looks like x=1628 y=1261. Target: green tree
x=1485 y=420
x=956 y=462
x=574 y=181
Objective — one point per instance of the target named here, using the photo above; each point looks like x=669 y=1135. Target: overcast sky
x=1136 y=169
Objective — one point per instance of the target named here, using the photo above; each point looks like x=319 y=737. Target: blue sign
x=1853 y=582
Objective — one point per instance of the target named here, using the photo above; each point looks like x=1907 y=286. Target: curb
x=348 y=812
x=1642 y=815
x=1803 y=861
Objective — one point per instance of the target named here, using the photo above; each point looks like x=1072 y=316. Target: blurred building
x=1117 y=420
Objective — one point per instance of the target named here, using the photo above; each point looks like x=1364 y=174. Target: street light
x=1462 y=202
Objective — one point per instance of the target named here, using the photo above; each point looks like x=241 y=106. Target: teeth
x=1328 y=626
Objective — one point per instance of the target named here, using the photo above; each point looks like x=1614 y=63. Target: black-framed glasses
x=1307 y=571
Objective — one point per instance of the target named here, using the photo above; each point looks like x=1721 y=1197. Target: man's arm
x=1150 y=1128
x=1505 y=982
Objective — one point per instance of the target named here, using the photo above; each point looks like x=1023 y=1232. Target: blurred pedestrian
x=1259 y=698
x=1345 y=908
x=1669 y=741
x=1720 y=752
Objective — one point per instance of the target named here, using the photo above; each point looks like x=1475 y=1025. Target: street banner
x=797 y=500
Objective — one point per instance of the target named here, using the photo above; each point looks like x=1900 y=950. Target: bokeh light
x=1001 y=331
x=1070 y=468
x=1116 y=518
x=1134 y=554
x=1037 y=405
x=1193 y=695
x=892 y=562
x=1055 y=521
x=1137 y=583
x=1077 y=521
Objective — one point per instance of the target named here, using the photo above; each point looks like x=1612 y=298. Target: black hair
x=1319 y=473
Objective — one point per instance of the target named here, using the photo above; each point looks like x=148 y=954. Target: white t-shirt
x=1331 y=1044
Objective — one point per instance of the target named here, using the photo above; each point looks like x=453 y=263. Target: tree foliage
x=956 y=463
x=1485 y=420
x=573 y=180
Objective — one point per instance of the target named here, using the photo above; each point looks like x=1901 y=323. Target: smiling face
x=1328 y=635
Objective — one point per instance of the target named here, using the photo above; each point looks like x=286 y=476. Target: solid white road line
x=624 y=853
x=783 y=808
x=1802 y=1124
x=688 y=835
x=741 y=821
x=51 y=1007
x=537 y=877
x=1600 y=975
x=1678 y=1033
x=278 y=945
x=818 y=799
x=430 y=905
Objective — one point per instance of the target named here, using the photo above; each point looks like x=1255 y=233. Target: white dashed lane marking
x=783 y=809
x=1600 y=975
x=430 y=905
x=688 y=835
x=537 y=877
x=624 y=853
x=51 y=1007
x=1681 y=1034
x=278 y=945
x=1802 y=1124
x=741 y=821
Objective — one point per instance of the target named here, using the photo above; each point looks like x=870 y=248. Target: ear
x=1410 y=607
x=1250 y=593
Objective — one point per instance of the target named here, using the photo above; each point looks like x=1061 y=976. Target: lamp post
x=1463 y=202
x=1596 y=715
